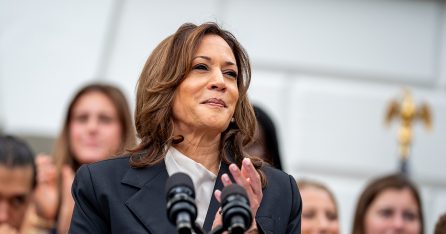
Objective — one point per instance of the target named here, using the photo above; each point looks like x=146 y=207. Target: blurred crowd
x=35 y=191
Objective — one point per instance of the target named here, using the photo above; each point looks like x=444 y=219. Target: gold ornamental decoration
x=405 y=110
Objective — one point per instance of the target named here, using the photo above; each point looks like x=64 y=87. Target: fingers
x=226 y=180
x=217 y=195
x=217 y=218
x=46 y=193
x=237 y=175
x=46 y=170
x=253 y=177
x=247 y=177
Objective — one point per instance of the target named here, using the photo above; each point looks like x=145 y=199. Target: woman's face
x=319 y=214
x=94 y=129
x=206 y=99
x=393 y=211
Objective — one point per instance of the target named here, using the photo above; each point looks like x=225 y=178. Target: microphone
x=236 y=212
x=180 y=197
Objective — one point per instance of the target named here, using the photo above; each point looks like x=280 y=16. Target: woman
x=390 y=204
x=192 y=115
x=98 y=124
x=320 y=212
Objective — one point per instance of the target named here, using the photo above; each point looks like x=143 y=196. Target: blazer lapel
x=214 y=204
x=149 y=203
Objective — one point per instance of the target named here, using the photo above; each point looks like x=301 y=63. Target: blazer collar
x=138 y=177
x=148 y=204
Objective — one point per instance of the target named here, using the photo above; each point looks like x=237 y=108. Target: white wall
x=49 y=48
x=323 y=69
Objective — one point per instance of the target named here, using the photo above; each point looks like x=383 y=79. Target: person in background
x=389 y=204
x=17 y=182
x=265 y=144
x=193 y=116
x=320 y=210
x=440 y=227
x=97 y=124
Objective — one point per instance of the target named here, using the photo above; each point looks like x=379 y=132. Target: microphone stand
x=218 y=230
x=197 y=229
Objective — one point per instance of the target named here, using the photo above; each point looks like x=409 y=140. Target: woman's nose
x=217 y=81
x=398 y=222
x=323 y=223
x=92 y=124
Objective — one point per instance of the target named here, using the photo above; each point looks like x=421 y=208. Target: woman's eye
x=81 y=118
x=409 y=216
x=105 y=119
x=332 y=216
x=232 y=74
x=308 y=214
x=201 y=67
x=386 y=213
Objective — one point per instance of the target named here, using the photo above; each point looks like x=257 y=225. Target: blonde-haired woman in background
x=389 y=204
x=98 y=124
x=319 y=211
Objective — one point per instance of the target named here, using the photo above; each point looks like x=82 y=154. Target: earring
x=232 y=120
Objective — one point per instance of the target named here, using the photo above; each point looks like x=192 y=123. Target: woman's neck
x=203 y=150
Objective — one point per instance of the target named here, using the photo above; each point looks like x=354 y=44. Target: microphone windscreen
x=232 y=190
x=180 y=179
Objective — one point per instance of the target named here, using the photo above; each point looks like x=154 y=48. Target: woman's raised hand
x=46 y=194
x=249 y=179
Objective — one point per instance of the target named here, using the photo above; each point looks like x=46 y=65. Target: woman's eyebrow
x=210 y=59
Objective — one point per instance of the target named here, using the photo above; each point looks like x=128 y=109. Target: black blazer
x=112 y=197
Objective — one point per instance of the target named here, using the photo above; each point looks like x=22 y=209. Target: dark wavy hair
x=164 y=70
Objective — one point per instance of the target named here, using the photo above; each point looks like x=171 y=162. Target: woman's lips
x=215 y=102
x=92 y=144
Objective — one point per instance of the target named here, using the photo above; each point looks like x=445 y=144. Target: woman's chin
x=91 y=157
x=217 y=127
x=219 y=123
